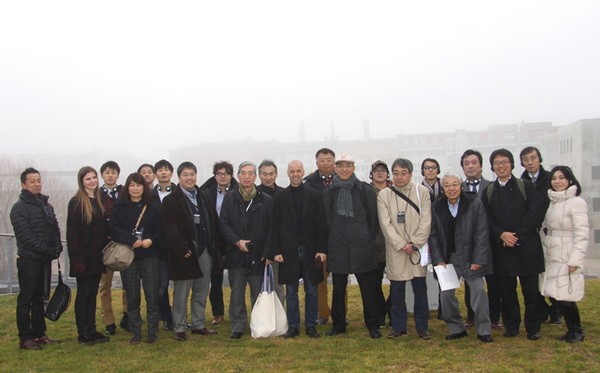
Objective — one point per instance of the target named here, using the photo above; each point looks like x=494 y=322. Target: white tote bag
x=268 y=317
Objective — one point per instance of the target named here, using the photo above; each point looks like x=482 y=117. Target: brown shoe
x=497 y=325
x=29 y=345
x=423 y=334
x=469 y=324
x=44 y=339
x=217 y=320
x=180 y=336
x=204 y=331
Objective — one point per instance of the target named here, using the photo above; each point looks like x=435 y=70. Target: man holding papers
x=460 y=236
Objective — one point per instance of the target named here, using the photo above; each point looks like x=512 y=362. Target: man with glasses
x=515 y=213
x=351 y=216
x=430 y=169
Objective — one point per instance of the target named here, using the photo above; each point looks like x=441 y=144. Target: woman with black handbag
x=136 y=222
x=87 y=233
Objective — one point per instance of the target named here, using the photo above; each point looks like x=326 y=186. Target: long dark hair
x=138 y=179
x=566 y=170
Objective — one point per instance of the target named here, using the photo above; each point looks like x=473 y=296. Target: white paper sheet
x=447 y=277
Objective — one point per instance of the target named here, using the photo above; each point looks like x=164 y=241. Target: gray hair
x=246 y=163
x=267 y=163
x=452 y=174
x=403 y=163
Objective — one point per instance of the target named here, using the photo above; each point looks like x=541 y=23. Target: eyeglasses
x=401 y=174
x=503 y=163
x=429 y=168
x=222 y=174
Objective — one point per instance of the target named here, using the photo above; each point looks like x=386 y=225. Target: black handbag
x=60 y=300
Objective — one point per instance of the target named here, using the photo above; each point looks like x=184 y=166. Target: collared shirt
x=453 y=208
x=191 y=195
x=535 y=176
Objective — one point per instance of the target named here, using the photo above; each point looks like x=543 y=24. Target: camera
x=401 y=217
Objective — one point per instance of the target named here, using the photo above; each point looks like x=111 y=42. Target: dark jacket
x=85 y=241
x=508 y=211
x=108 y=202
x=35 y=227
x=270 y=191
x=315 y=181
x=163 y=249
x=124 y=216
x=180 y=234
x=284 y=237
x=542 y=184
x=239 y=224
x=483 y=183
x=350 y=239
x=471 y=236
x=210 y=187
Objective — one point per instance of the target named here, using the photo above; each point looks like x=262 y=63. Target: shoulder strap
x=140 y=218
x=520 y=186
x=408 y=200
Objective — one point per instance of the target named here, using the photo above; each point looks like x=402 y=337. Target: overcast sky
x=144 y=76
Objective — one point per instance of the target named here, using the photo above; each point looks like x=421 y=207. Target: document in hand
x=447 y=277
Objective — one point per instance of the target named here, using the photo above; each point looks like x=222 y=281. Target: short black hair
x=146 y=165
x=163 y=163
x=184 y=165
x=267 y=163
x=324 y=151
x=112 y=165
x=528 y=150
x=471 y=152
x=28 y=170
x=437 y=164
x=502 y=153
x=223 y=164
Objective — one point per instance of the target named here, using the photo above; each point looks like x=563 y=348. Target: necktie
x=533 y=179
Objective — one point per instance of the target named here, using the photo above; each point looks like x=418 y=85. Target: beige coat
x=415 y=230
x=565 y=244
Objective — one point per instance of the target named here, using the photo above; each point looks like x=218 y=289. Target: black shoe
x=485 y=338
x=291 y=333
x=334 y=332
x=236 y=335
x=111 y=329
x=375 y=334
x=168 y=325
x=382 y=322
x=125 y=322
x=312 y=332
x=533 y=336
x=136 y=339
x=566 y=336
x=555 y=321
x=469 y=324
x=151 y=339
x=577 y=335
x=86 y=340
x=423 y=334
x=394 y=335
x=511 y=333
x=180 y=336
x=460 y=335
x=99 y=338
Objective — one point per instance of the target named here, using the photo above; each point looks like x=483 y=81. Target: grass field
x=353 y=351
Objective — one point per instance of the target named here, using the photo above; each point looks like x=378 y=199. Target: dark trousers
x=384 y=304
x=369 y=284
x=147 y=270
x=535 y=310
x=30 y=301
x=164 y=306
x=421 y=309
x=571 y=314
x=216 y=294
x=85 y=304
x=494 y=299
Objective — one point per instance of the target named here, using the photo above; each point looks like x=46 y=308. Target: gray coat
x=471 y=237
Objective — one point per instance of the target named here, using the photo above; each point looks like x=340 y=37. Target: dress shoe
x=168 y=325
x=485 y=338
x=125 y=322
x=322 y=320
x=460 y=335
x=99 y=337
x=29 y=345
x=136 y=339
x=111 y=329
x=533 y=336
x=236 y=335
x=333 y=332
x=312 y=332
x=394 y=335
x=86 y=340
x=204 y=331
x=382 y=322
x=423 y=334
x=291 y=333
x=469 y=324
x=511 y=333
x=217 y=320
x=375 y=334
x=180 y=336
x=555 y=321
x=565 y=336
x=44 y=339
x=497 y=325
x=576 y=335
x=151 y=339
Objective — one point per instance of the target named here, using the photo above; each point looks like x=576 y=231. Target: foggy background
x=140 y=78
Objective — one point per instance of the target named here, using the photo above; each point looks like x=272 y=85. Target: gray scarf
x=344 y=199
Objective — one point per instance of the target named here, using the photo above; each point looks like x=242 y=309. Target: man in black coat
x=297 y=244
x=38 y=243
x=515 y=213
x=190 y=226
x=246 y=225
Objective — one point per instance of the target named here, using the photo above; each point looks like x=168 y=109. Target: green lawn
x=354 y=351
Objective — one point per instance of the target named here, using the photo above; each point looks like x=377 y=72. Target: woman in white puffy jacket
x=566 y=241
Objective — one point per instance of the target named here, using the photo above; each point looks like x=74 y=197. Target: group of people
x=534 y=229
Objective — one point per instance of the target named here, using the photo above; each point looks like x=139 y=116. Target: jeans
x=399 y=313
x=310 y=296
x=30 y=301
x=85 y=304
